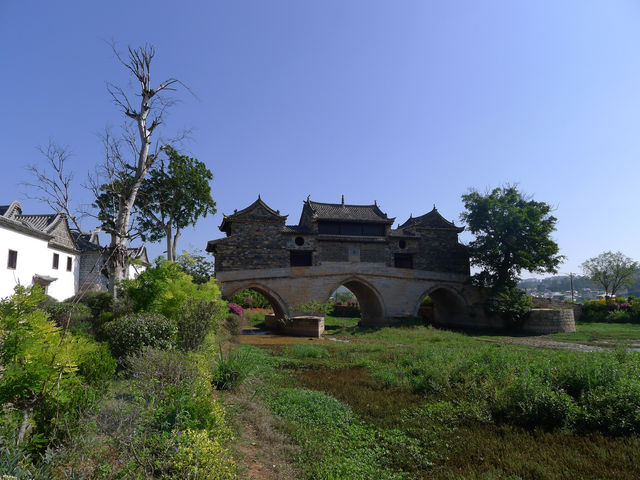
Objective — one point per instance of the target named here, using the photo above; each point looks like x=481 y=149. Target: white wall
x=135 y=270
x=35 y=256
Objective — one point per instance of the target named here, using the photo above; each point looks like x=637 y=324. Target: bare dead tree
x=130 y=156
x=52 y=182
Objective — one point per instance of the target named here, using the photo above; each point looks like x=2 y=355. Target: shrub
x=312 y=308
x=98 y=302
x=511 y=303
x=198 y=456
x=232 y=324
x=230 y=369
x=163 y=288
x=613 y=409
x=43 y=369
x=96 y=365
x=76 y=314
x=618 y=316
x=195 y=319
x=235 y=309
x=250 y=299
x=156 y=372
x=128 y=335
x=531 y=402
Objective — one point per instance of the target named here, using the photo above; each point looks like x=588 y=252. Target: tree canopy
x=611 y=270
x=173 y=197
x=513 y=233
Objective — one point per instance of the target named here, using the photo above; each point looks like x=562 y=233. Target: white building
x=37 y=249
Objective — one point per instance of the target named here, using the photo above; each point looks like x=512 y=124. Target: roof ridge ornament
x=343 y=199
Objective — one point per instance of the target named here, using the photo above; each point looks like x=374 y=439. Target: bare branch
x=52 y=183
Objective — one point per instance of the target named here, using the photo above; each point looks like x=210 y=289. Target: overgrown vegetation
x=65 y=413
x=416 y=402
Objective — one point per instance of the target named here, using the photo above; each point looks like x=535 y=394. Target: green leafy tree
x=513 y=233
x=174 y=196
x=200 y=267
x=611 y=270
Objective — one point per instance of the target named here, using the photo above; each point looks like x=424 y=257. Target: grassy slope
x=408 y=403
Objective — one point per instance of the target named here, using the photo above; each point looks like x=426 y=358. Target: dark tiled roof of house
x=296 y=229
x=344 y=212
x=139 y=253
x=11 y=210
x=87 y=241
x=433 y=219
x=39 y=222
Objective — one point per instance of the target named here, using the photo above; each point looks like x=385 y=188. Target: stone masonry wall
x=375 y=252
x=253 y=246
x=333 y=252
x=541 y=321
x=440 y=252
x=89 y=278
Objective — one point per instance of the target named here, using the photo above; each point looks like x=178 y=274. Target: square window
x=12 y=260
x=403 y=260
x=56 y=261
x=301 y=258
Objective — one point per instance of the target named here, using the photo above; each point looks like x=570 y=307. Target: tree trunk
x=118 y=262
x=170 y=246
x=175 y=243
x=25 y=423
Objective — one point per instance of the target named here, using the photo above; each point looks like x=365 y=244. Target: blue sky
x=408 y=103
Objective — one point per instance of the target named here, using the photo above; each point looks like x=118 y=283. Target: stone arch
x=449 y=306
x=280 y=307
x=372 y=308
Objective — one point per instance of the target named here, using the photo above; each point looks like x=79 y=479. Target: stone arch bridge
x=390 y=271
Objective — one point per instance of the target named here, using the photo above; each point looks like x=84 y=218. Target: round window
x=299 y=241
x=402 y=244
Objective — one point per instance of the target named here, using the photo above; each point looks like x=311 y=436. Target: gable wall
x=62 y=236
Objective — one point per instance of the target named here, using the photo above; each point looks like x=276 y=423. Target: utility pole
x=571 y=279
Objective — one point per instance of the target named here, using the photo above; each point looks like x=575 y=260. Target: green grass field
x=595 y=332
x=416 y=402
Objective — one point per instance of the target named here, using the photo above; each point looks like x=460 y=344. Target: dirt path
x=547 y=343
x=261 y=450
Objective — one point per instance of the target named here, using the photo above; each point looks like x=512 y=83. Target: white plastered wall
x=135 y=270
x=35 y=257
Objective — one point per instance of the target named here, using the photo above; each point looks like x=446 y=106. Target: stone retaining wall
x=542 y=321
x=300 y=326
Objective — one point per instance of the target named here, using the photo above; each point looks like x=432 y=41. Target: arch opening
x=356 y=295
x=441 y=306
x=259 y=303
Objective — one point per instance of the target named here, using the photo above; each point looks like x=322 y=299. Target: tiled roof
x=343 y=212
x=296 y=229
x=86 y=242
x=139 y=253
x=39 y=222
x=400 y=233
x=433 y=219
